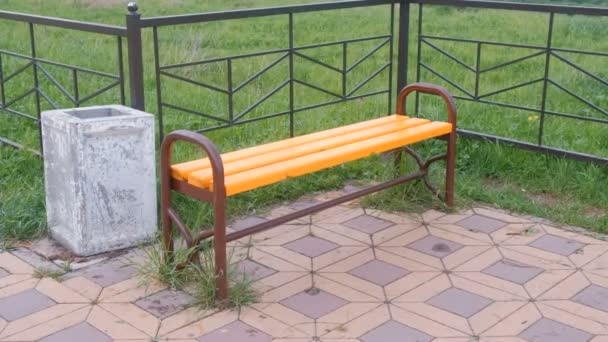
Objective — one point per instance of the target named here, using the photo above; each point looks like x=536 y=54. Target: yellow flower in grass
x=532 y=118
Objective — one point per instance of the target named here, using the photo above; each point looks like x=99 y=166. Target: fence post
x=36 y=81
x=403 y=49
x=136 y=63
x=291 y=78
x=546 y=80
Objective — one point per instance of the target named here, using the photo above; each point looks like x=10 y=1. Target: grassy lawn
x=565 y=191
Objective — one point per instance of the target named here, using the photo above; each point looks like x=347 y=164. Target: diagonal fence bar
x=548 y=50
x=295 y=53
x=11 y=104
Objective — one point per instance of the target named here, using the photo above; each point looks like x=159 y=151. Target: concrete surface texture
x=99 y=177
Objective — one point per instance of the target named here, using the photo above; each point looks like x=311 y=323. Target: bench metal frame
x=218 y=199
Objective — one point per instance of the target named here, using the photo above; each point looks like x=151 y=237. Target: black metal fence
x=548 y=51
x=39 y=69
x=410 y=12
x=288 y=53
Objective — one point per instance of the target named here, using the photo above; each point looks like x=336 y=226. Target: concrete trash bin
x=100 y=177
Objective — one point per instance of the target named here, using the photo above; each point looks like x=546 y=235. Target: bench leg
x=450 y=156
x=167 y=238
x=165 y=206
x=218 y=200
x=397 y=159
x=450 y=170
x=219 y=245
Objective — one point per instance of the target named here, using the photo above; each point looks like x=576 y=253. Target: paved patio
x=344 y=275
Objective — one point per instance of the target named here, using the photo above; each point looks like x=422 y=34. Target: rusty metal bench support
x=217 y=197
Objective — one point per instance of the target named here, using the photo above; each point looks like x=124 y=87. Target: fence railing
x=39 y=68
x=548 y=51
x=288 y=53
x=427 y=46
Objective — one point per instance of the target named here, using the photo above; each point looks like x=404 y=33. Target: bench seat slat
x=204 y=176
x=182 y=170
x=272 y=173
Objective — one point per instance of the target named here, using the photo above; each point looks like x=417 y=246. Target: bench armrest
x=428 y=88
x=217 y=166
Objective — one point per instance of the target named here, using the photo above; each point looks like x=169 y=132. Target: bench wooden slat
x=182 y=170
x=204 y=177
x=269 y=174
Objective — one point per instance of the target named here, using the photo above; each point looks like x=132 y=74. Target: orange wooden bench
x=218 y=176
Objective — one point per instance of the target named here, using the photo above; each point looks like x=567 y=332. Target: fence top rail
x=517 y=6
x=65 y=23
x=258 y=12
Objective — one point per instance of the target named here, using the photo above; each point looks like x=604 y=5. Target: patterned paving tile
x=594 y=296
x=485 y=293
x=435 y=246
x=165 y=303
x=459 y=302
x=546 y=330
x=236 y=331
x=379 y=272
x=303 y=204
x=314 y=303
x=513 y=271
x=311 y=246
x=247 y=222
x=80 y=332
x=368 y=224
x=556 y=244
x=23 y=304
x=114 y=326
x=108 y=273
x=481 y=224
x=253 y=270
x=392 y=331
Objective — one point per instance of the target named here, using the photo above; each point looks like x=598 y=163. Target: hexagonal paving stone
x=247 y=222
x=547 y=330
x=593 y=296
x=165 y=303
x=459 y=302
x=303 y=204
x=435 y=246
x=23 y=304
x=392 y=331
x=556 y=244
x=3 y=273
x=253 y=270
x=481 y=224
x=368 y=224
x=513 y=271
x=314 y=303
x=79 y=332
x=236 y=331
x=107 y=273
x=379 y=272
x=311 y=246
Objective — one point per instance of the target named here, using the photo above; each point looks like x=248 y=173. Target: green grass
x=240 y=292
x=40 y=273
x=565 y=191
x=157 y=267
x=180 y=273
x=22 y=214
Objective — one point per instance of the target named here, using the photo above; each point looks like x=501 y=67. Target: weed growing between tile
x=40 y=273
x=181 y=273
